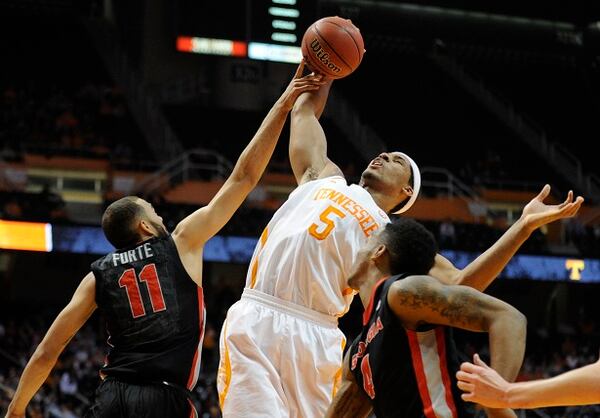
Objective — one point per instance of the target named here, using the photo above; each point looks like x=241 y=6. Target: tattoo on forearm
x=460 y=310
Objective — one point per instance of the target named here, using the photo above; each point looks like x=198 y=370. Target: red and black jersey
x=154 y=312
x=408 y=374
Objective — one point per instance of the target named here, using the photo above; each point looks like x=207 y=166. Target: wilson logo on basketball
x=323 y=56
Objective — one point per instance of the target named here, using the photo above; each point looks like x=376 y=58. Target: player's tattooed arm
x=419 y=300
x=350 y=400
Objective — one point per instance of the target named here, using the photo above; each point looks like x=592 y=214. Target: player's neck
x=381 y=199
x=374 y=275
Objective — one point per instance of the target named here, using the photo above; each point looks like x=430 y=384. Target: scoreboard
x=258 y=29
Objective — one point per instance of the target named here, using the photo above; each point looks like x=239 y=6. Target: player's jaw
x=160 y=230
x=155 y=222
x=388 y=174
x=364 y=265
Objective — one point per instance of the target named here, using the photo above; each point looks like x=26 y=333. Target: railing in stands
x=347 y=119
x=440 y=181
x=507 y=184
x=145 y=106
x=528 y=131
x=5 y=182
x=196 y=164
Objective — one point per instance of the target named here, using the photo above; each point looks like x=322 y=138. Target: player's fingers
x=567 y=212
x=464 y=376
x=578 y=202
x=568 y=200
x=305 y=84
x=300 y=69
x=308 y=87
x=313 y=78
x=469 y=367
x=572 y=208
x=544 y=193
x=478 y=361
x=465 y=387
x=468 y=397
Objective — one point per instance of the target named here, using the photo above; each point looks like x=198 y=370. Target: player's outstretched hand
x=482 y=384
x=537 y=213
x=299 y=85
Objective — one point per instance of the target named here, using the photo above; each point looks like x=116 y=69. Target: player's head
x=396 y=175
x=130 y=220
x=403 y=246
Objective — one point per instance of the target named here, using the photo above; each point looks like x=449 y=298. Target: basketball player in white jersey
x=281 y=350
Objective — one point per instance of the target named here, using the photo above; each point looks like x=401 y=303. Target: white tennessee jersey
x=306 y=252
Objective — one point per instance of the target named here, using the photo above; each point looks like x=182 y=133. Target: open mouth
x=376 y=163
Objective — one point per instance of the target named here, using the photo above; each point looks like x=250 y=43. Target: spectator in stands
x=258 y=196
x=596 y=231
x=12 y=210
x=51 y=206
x=447 y=234
x=574 y=231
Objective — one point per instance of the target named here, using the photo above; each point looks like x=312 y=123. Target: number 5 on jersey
x=321 y=232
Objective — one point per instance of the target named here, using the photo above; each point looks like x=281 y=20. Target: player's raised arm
x=308 y=144
x=485 y=268
x=64 y=327
x=201 y=225
x=350 y=401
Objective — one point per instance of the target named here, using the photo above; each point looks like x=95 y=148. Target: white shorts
x=278 y=359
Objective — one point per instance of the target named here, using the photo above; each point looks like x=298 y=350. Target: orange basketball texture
x=333 y=46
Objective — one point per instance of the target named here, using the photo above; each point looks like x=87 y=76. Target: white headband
x=416 y=174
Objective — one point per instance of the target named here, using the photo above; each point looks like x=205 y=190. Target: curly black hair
x=411 y=247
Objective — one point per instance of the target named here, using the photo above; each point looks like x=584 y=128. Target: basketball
x=333 y=46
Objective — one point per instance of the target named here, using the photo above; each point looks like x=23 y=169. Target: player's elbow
x=518 y=318
x=246 y=172
x=303 y=108
x=45 y=354
x=512 y=319
x=246 y=179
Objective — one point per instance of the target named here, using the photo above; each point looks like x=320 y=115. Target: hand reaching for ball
x=299 y=85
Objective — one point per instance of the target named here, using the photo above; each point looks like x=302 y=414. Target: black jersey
x=154 y=312
x=405 y=373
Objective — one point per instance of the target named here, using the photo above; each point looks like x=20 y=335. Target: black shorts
x=117 y=399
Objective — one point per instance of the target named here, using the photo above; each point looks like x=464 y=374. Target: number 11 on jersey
x=149 y=275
